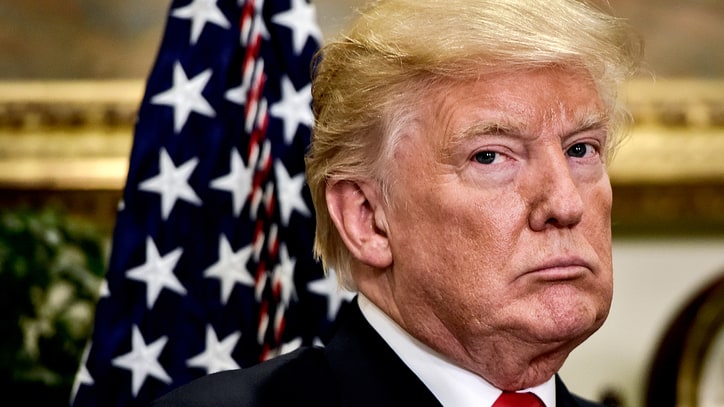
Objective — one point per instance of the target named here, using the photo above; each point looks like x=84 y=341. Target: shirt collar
x=451 y=384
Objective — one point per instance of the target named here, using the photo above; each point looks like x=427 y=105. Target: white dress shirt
x=452 y=385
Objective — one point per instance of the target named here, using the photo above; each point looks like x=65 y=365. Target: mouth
x=569 y=268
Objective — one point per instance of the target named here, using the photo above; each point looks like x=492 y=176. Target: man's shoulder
x=581 y=402
x=567 y=399
x=284 y=380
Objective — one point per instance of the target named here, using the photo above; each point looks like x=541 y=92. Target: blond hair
x=367 y=82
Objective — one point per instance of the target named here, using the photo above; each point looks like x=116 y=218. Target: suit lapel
x=368 y=371
x=564 y=398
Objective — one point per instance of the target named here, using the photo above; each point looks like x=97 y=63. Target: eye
x=485 y=157
x=580 y=150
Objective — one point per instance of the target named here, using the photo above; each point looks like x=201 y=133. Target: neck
x=514 y=367
x=502 y=359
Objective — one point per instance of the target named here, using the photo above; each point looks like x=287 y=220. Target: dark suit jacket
x=356 y=369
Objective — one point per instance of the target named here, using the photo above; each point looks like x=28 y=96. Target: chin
x=570 y=316
x=573 y=332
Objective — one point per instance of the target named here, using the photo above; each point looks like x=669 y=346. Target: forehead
x=525 y=103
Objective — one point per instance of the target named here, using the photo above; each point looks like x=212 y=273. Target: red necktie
x=511 y=399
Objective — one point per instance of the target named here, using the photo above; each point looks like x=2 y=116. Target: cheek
x=598 y=207
x=598 y=232
x=458 y=246
x=461 y=222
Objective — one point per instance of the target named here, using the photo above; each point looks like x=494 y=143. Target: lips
x=564 y=268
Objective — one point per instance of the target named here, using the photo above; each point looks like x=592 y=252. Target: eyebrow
x=588 y=121
x=592 y=121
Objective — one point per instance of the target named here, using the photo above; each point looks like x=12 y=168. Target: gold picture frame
x=688 y=365
x=71 y=140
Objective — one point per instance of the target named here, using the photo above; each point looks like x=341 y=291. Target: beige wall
x=653 y=279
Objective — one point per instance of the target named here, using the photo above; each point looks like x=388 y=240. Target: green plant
x=51 y=267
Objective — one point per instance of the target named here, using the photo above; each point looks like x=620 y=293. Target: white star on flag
x=230 y=268
x=157 y=272
x=300 y=20
x=201 y=12
x=259 y=23
x=290 y=193
x=255 y=25
x=294 y=108
x=238 y=181
x=284 y=276
x=330 y=288
x=142 y=361
x=185 y=96
x=217 y=355
x=83 y=376
x=238 y=94
x=172 y=183
x=103 y=290
x=288 y=347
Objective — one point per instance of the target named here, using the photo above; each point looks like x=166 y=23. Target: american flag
x=211 y=263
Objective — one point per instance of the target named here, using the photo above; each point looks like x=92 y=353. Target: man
x=458 y=170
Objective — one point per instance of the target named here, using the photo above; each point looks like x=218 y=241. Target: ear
x=356 y=209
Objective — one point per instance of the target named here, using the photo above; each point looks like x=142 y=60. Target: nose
x=554 y=197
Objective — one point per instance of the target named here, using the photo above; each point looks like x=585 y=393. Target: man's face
x=499 y=222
